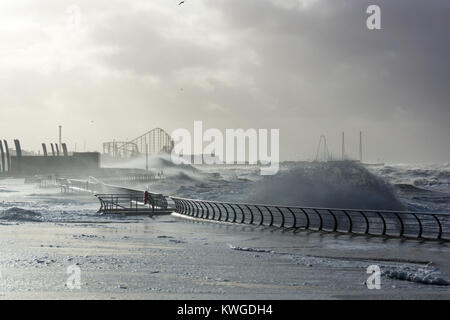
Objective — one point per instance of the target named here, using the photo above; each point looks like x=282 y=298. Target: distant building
x=79 y=162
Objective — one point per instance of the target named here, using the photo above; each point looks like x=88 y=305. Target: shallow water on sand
x=43 y=232
x=171 y=257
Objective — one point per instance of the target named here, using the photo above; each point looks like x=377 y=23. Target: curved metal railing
x=403 y=224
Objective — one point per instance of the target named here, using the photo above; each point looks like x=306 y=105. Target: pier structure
x=16 y=162
x=5 y=159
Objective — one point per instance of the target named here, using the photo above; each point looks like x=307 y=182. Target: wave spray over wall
x=335 y=184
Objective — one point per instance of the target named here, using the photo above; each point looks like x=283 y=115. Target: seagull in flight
x=181 y=2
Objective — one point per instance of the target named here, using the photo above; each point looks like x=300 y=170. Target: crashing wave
x=339 y=184
x=412 y=189
x=21 y=215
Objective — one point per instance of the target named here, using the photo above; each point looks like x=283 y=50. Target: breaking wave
x=432 y=176
x=421 y=187
x=21 y=215
x=340 y=184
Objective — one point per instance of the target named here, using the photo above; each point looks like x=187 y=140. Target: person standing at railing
x=146 y=195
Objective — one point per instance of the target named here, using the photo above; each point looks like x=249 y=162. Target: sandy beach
x=170 y=257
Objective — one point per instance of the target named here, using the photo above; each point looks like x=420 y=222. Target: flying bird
x=181 y=2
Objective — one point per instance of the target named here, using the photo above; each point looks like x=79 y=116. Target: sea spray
x=335 y=184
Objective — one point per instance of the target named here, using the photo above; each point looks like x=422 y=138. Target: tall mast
x=60 y=137
x=360 y=147
x=343 y=146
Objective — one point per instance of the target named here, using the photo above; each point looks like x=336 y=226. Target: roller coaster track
x=154 y=141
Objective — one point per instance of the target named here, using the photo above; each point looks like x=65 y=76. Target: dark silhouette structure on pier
x=15 y=163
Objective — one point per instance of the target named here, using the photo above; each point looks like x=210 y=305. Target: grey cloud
x=307 y=70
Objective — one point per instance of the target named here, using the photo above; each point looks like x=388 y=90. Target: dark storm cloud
x=320 y=58
x=405 y=65
x=307 y=67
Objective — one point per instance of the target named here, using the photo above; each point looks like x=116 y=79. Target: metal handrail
x=387 y=223
x=134 y=202
x=313 y=208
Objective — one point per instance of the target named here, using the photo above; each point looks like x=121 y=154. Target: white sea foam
x=426 y=275
x=339 y=184
x=232 y=247
x=20 y=215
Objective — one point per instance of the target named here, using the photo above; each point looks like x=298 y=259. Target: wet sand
x=170 y=257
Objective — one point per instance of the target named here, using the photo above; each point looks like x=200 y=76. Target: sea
x=335 y=184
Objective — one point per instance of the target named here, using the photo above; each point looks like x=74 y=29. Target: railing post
x=282 y=217
x=440 y=227
x=226 y=211
x=178 y=205
x=271 y=216
x=294 y=223
x=383 y=233
x=213 y=211
x=401 y=224
x=203 y=209
x=181 y=206
x=320 y=219
x=307 y=218
x=234 y=212
x=251 y=214
x=334 y=219
x=193 y=208
x=420 y=225
x=262 y=216
x=220 y=211
x=187 y=207
x=153 y=204
x=367 y=222
x=350 y=222
x=243 y=214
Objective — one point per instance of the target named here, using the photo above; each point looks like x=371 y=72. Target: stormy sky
x=108 y=69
